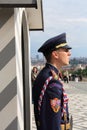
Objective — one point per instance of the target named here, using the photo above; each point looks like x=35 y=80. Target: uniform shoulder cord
x=43 y=91
x=65 y=99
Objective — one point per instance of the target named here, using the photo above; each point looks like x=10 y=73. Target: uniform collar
x=52 y=67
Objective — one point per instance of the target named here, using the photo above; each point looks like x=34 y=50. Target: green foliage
x=80 y=72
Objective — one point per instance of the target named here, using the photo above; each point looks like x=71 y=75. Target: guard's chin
x=66 y=64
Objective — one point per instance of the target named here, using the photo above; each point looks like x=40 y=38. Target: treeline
x=82 y=72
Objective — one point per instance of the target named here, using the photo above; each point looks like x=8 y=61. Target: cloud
x=76 y=20
x=68 y=16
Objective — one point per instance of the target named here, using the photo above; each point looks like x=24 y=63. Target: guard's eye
x=66 y=50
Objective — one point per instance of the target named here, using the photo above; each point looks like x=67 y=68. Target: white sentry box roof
x=34 y=11
x=35 y=17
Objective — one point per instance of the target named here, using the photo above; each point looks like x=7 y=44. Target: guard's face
x=63 y=56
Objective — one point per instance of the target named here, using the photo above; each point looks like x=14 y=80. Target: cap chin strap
x=61 y=45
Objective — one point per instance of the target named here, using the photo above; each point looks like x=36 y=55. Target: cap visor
x=67 y=47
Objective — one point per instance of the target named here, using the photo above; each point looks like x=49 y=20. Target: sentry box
x=17 y=19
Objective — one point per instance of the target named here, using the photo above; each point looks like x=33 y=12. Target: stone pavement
x=77 y=93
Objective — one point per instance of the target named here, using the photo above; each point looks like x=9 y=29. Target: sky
x=69 y=16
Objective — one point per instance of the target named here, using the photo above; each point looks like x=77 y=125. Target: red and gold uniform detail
x=55 y=104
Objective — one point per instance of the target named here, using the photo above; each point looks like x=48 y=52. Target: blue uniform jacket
x=48 y=118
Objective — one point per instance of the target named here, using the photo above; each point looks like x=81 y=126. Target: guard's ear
x=55 y=54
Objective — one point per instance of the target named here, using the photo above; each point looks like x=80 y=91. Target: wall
x=14 y=70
